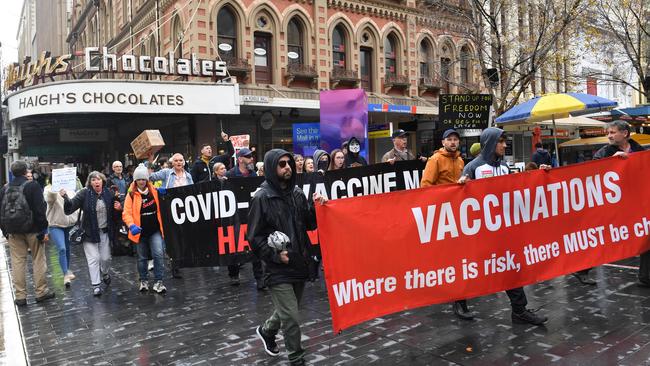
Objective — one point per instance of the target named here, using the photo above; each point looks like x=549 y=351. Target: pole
x=557 y=154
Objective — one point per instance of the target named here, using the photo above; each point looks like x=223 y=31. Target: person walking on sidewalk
x=97 y=204
x=278 y=220
x=490 y=164
x=142 y=216
x=444 y=167
x=23 y=223
x=59 y=225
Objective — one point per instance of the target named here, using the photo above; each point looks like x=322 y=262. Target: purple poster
x=343 y=114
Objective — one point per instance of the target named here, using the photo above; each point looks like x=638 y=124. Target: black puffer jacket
x=286 y=210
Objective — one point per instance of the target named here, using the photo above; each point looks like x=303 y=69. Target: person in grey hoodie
x=490 y=164
x=321 y=161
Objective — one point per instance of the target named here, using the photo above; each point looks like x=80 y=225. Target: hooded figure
x=352 y=158
x=318 y=164
x=281 y=208
x=488 y=163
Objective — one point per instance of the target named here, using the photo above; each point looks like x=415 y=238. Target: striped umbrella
x=552 y=106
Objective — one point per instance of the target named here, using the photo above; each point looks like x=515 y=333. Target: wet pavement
x=204 y=320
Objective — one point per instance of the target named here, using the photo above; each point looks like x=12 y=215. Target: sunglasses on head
x=283 y=163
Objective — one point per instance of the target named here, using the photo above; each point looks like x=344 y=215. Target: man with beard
x=621 y=145
x=353 y=158
x=399 y=152
x=490 y=164
x=446 y=166
x=278 y=220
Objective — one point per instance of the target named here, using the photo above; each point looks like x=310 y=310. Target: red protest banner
x=396 y=251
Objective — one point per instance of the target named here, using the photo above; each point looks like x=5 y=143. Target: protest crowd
x=118 y=210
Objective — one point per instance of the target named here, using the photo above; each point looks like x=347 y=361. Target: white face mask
x=354 y=147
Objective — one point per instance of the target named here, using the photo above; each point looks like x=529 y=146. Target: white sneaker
x=71 y=275
x=150 y=265
x=97 y=291
x=159 y=287
x=144 y=286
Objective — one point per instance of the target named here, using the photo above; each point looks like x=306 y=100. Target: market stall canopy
x=578 y=121
x=641 y=138
x=555 y=106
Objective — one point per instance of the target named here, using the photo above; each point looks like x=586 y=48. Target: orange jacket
x=442 y=168
x=132 y=206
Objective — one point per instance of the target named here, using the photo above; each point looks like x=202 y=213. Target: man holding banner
x=490 y=164
x=278 y=221
x=444 y=167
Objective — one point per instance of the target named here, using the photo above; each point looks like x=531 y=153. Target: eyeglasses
x=283 y=163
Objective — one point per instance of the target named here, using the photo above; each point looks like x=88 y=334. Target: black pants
x=258 y=271
x=644 y=267
x=518 y=299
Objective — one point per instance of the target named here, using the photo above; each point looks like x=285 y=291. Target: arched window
x=177 y=37
x=465 y=59
x=390 y=53
x=295 y=41
x=153 y=45
x=425 y=59
x=446 y=74
x=339 y=47
x=227 y=33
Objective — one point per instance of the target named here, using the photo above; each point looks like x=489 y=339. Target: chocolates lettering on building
x=71 y=98
x=32 y=72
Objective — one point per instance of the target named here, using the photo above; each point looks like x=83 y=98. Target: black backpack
x=16 y=213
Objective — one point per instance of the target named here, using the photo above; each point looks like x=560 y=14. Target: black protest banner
x=205 y=224
x=461 y=111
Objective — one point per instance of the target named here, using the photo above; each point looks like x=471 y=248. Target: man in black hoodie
x=541 y=156
x=619 y=134
x=490 y=164
x=278 y=220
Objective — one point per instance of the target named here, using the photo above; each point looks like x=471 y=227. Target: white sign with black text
x=124 y=96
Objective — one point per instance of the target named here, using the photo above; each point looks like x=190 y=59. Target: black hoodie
x=351 y=158
x=274 y=208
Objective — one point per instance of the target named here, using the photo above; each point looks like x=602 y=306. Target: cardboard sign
x=240 y=141
x=147 y=143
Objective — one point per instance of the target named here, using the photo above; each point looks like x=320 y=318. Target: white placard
x=124 y=96
x=64 y=178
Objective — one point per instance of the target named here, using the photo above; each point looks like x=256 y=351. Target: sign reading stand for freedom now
x=124 y=96
x=401 y=250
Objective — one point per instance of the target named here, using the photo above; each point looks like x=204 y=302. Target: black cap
x=449 y=132
x=244 y=152
x=399 y=133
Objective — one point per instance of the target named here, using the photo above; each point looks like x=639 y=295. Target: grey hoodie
x=488 y=164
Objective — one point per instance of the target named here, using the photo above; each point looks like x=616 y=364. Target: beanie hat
x=141 y=172
x=475 y=149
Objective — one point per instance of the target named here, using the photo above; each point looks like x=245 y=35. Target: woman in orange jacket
x=142 y=216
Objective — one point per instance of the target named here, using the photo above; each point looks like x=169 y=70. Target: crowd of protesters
x=126 y=206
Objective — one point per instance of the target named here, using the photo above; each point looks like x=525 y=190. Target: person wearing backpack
x=23 y=223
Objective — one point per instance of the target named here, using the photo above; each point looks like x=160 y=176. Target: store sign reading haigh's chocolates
x=32 y=72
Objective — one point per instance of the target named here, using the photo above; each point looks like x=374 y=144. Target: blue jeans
x=61 y=237
x=151 y=244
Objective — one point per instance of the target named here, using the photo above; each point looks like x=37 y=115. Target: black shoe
x=106 y=279
x=528 y=317
x=299 y=362
x=260 y=285
x=461 y=310
x=47 y=296
x=584 y=278
x=234 y=281
x=269 y=342
x=20 y=302
x=176 y=273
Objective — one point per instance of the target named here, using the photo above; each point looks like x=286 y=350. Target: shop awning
x=642 y=110
x=578 y=121
x=641 y=138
